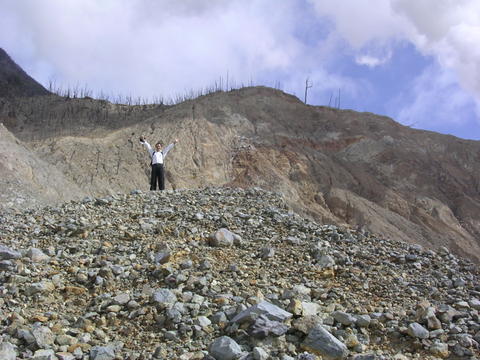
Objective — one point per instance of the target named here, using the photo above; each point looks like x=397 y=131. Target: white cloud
x=149 y=47
x=448 y=30
x=373 y=61
x=362 y=21
x=368 y=60
x=435 y=100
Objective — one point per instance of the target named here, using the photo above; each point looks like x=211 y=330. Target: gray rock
x=40 y=287
x=325 y=261
x=474 y=304
x=65 y=356
x=171 y=335
x=162 y=257
x=114 y=308
x=102 y=353
x=37 y=255
x=306 y=356
x=459 y=350
x=307 y=323
x=173 y=315
x=7 y=265
x=43 y=337
x=363 y=320
x=7 y=253
x=439 y=349
x=65 y=340
x=462 y=305
x=310 y=308
x=417 y=331
x=263 y=327
x=465 y=340
x=187 y=264
x=321 y=342
x=7 y=351
x=237 y=240
x=436 y=333
x=448 y=313
x=205 y=265
x=454 y=329
x=203 y=321
x=298 y=291
x=344 y=318
x=267 y=252
x=271 y=311
x=164 y=298
x=121 y=299
x=26 y=335
x=365 y=357
x=293 y=240
x=433 y=323
x=225 y=348
x=477 y=337
x=221 y=238
x=44 y=355
x=259 y=354
x=219 y=317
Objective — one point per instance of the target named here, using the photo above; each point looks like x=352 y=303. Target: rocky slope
x=335 y=166
x=222 y=273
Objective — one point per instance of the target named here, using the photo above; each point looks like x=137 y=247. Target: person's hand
x=175 y=141
x=142 y=138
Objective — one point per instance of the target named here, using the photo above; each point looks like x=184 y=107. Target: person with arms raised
x=157 y=157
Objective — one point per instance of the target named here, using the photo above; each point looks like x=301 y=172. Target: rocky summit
x=223 y=273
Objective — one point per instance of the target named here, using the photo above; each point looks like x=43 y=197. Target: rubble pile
x=222 y=273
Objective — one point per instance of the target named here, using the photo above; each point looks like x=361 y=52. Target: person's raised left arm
x=169 y=147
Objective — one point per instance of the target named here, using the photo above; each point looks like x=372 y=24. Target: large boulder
x=271 y=311
x=225 y=348
x=164 y=298
x=224 y=238
x=321 y=342
x=7 y=253
x=7 y=351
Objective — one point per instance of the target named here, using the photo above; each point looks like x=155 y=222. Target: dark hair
x=159 y=143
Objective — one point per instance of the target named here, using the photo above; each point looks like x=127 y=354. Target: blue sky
x=417 y=61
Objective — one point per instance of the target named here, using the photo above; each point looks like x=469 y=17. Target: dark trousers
x=158 y=176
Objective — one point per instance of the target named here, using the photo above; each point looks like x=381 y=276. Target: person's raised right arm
x=147 y=145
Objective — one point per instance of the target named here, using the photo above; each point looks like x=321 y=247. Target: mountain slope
x=16 y=82
x=28 y=180
x=337 y=166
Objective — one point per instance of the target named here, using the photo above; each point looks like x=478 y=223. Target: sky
x=416 y=61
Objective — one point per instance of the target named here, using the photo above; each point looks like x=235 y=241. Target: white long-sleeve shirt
x=157 y=156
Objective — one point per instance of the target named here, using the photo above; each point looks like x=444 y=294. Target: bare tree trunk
x=307 y=86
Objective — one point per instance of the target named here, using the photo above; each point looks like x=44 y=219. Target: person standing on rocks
x=157 y=156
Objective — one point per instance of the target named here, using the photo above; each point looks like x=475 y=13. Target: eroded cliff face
x=26 y=180
x=337 y=166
